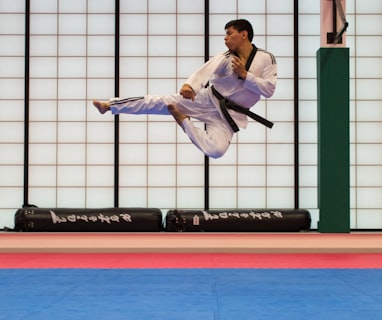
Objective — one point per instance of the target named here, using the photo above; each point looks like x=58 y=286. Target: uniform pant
x=213 y=141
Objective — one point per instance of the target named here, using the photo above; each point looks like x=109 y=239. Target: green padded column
x=333 y=140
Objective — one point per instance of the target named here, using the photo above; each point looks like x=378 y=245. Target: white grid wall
x=159 y=167
x=253 y=174
x=161 y=43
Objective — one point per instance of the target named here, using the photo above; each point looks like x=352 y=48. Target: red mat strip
x=175 y=260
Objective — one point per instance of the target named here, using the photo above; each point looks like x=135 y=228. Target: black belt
x=227 y=104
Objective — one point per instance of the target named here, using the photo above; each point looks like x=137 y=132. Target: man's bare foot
x=178 y=116
x=102 y=106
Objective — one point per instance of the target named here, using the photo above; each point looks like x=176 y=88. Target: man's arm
x=238 y=67
x=264 y=84
x=199 y=79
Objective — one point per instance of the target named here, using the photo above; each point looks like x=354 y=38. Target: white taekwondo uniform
x=215 y=139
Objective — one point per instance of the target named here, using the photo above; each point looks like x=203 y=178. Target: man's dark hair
x=241 y=25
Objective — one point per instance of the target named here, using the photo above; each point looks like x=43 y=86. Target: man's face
x=233 y=39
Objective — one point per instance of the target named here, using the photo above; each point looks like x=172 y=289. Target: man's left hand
x=238 y=67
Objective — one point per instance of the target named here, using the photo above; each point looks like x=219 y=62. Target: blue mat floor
x=189 y=294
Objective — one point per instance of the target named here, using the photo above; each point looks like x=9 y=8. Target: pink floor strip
x=188 y=260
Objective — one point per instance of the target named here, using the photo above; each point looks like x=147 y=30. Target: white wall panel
x=161 y=197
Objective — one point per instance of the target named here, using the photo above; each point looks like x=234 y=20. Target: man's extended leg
x=135 y=105
x=213 y=141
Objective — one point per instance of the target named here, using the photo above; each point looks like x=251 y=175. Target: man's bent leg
x=213 y=142
x=178 y=116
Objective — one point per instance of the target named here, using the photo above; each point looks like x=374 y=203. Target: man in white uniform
x=218 y=94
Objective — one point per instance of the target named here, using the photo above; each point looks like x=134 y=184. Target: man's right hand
x=187 y=92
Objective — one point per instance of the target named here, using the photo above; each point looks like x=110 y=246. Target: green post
x=333 y=140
